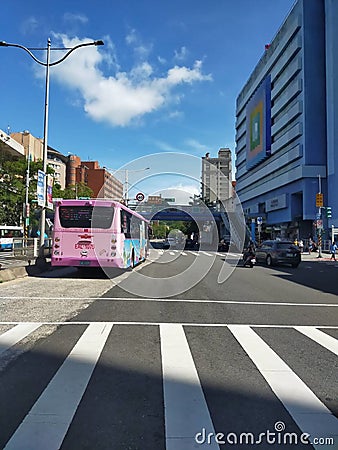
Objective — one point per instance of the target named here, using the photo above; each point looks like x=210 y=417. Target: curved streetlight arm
x=75 y=48
x=6 y=44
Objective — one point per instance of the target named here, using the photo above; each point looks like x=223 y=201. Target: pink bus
x=98 y=233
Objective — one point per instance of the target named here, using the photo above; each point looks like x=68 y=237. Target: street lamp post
x=47 y=64
x=27 y=206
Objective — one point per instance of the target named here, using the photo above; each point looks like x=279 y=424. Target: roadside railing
x=325 y=245
x=30 y=247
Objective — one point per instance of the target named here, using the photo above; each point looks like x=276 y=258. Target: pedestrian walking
x=301 y=245
x=333 y=249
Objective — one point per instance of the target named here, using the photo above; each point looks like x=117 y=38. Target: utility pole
x=27 y=206
x=320 y=217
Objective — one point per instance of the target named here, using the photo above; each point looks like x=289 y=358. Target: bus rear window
x=86 y=216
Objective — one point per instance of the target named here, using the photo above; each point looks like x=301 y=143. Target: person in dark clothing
x=249 y=254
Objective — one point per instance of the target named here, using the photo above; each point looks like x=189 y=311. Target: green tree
x=159 y=230
x=72 y=191
x=13 y=188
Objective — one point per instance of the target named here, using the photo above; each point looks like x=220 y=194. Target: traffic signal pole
x=320 y=216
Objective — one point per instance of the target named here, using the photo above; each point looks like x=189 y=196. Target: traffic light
x=328 y=212
x=319 y=200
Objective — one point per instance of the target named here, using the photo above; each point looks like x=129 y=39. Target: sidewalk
x=314 y=257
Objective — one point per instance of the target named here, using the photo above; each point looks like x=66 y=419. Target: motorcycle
x=249 y=259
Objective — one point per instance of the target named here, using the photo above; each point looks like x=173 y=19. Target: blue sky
x=166 y=79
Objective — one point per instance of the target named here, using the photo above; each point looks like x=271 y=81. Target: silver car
x=278 y=252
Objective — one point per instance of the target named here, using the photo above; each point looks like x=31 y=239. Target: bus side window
x=125 y=223
x=135 y=227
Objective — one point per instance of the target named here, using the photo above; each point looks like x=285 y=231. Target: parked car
x=278 y=252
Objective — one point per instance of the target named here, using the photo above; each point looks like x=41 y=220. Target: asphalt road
x=222 y=353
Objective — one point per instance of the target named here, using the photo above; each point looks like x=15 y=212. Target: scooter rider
x=249 y=254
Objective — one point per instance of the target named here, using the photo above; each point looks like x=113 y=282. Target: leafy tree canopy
x=13 y=174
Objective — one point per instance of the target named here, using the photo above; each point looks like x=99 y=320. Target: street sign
x=41 y=188
x=139 y=197
x=319 y=200
x=50 y=181
x=259 y=220
x=319 y=223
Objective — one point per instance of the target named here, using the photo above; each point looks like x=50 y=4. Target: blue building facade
x=287 y=125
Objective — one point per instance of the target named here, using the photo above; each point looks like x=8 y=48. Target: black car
x=278 y=252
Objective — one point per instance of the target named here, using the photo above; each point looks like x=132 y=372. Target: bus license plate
x=84 y=263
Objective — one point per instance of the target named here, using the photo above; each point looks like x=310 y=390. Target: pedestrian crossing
x=159 y=385
x=201 y=253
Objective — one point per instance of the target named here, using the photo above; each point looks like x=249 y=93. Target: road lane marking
x=185 y=408
x=184 y=324
x=47 y=423
x=205 y=253
x=225 y=302
x=309 y=413
x=329 y=342
x=16 y=334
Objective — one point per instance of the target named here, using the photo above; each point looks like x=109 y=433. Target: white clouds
x=140 y=49
x=71 y=17
x=29 y=25
x=196 y=146
x=165 y=146
x=181 y=192
x=178 y=75
x=124 y=97
x=182 y=54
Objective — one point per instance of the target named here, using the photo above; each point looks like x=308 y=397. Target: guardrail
x=30 y=247
x=325 y=245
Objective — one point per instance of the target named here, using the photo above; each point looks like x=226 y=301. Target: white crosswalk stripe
x=179 y=401
x=160 y=252
x=16 y=334
x=306 y=409
x=322 y=338
x=47 y=422
x=185 y=403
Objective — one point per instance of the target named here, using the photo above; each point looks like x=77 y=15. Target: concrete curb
x=10 y=274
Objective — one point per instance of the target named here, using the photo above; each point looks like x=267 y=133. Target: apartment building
x=99 y=179
x=216 y=177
